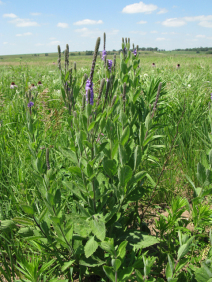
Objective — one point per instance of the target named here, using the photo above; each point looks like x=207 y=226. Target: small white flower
x=13 y=85
x=189 y=85
x=145 y=75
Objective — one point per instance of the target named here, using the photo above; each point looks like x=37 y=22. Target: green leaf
x=90 y=247
x=110 y=167
x=27 y=209
x=137 y=156
x=75 y=170
x=47 y=265
x=24 y=221
x=122 y=155
x=137 y=239
x=122 y=249
x=109 y=272
x=7 y=225
x=139 y=276
x=98 y=228
x=148 y=121
x=67 y=265
x=124 y=175
x=125 y=135
x=116 y=263
x=108 y=246
x=25 y=232
x=124 y=274
x=125 y=78
x=91 y=125
x=201 y=173
x=183 y=250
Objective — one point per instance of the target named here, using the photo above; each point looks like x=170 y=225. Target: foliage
x=80 y=182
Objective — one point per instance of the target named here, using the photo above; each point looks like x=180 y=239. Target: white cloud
x=52 y=38
x=200 y=36
x=210 y=37
x=204 y=21
x=163 y=11
x=142 y=22
x=139 y=8
x=160 y=39
x=9 y=16
x=54 y=43
x=24 y=34
x=35 y=14
x=153 y=31
x=206 y=24
x=88 y=22
x=85 y=32
x=138 y=32
x=23 y=22
x=174 y=22
x=5 y=43
x=63 y=25
x=198 y=18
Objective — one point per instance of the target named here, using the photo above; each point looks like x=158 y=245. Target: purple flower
x=110 y=63
x=30 y=104
x=211 y=96
x=89 y=85
x=135 y=52
x=104 y=54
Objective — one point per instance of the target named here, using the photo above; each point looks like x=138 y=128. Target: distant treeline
x=208 y=50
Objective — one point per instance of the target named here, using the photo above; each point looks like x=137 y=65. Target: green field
x=115 y=191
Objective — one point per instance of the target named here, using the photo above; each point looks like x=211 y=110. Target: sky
x=39 y=26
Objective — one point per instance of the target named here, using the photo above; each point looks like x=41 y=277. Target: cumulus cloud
x=142 y=22
x=153 y=31
x=160 y=39
x=206 y=24
x=174 y=22
x=54 y=43
x=35 y=14
x=11 y=15
x=139 y=8
x=63 y=25
x=88 y=22
x=24 y=34
x=5 y=43
x=204 y=21
x=85 y=32
x=163 y=11
x=39 y=44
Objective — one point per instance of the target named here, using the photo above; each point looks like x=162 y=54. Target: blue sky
x=39 y=26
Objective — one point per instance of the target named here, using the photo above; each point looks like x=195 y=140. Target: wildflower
x=178 y=66
x=33 y=86
x=110 y=63
x=30 y=104
x=211 y=96
x=40 y=83
x=53 y=63
x=135 y=52
x=189 y=85
x=13 y=85
x=89 y=85
x=104 y=54
x=153 y=65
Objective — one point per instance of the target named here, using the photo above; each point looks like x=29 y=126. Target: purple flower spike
x=30 y=104
x=211 y=96
x=135 y=52
x=110 y=63
x=104 y=53
x=89 y=85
